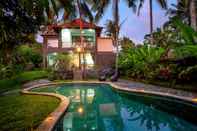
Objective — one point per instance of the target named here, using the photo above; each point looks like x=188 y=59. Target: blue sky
x=135 y=27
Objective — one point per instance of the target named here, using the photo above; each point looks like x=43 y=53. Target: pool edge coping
x=50 y=121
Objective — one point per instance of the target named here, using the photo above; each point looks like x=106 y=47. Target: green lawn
x=24 y=112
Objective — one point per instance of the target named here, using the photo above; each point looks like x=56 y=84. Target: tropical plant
x=139 y=62
x=62 y=61
x=110 y=30
x=6 y=71
x=181 y=10
x=126 y=44
x=174 y=33
x=186 y=11
x=187 y=33
x=18 y=20
x=186 y=51
x=188 y=74
x=28 y=54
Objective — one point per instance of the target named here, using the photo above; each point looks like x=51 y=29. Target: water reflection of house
x=65 y=37
x=89 y=112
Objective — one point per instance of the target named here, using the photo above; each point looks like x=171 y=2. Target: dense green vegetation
x=16 y=81
x=168 y=54
x=170 y=57
x=24 y=112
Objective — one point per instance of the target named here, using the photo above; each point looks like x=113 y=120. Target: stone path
x=148 y=87
x=35 y=82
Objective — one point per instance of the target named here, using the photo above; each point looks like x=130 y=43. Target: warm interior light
x=195 y=99
x=78 y=49
x=80 y=110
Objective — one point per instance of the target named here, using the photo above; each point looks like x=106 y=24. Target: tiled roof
x=76 y=23
x=51 y=29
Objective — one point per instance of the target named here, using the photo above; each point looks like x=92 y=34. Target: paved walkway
x=148 y=87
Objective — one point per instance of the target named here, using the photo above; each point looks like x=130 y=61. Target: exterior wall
x=105 y=60
x=71 y=37
x=102 y=51
x=104 y=45
x=52 y=42
x=106 y=56
x=66 y=38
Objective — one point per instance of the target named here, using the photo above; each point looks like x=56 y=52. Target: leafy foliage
x=187 y=33
x=15 y=82
x=138 y=62
x=189 y=74
x=62 y=61
x=29 y=54
x=186 y=51
x=62 y=67
x=173 y=34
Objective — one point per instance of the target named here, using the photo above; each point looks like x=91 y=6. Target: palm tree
x=181 y=10
x=186 y=11
x=110 y=29
x=162 y=3
x=99 y=6
x=193 y=14
x=82 y=8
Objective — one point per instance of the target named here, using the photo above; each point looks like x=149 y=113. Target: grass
x=24 y=112
x=16 y=81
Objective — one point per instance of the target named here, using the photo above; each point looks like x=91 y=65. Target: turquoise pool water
x=98 y=107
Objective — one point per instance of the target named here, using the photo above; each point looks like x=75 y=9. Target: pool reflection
x=100 y=108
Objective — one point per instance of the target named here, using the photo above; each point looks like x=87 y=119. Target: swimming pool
x=99 y=107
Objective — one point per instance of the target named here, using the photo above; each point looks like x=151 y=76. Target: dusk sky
x=135 y=27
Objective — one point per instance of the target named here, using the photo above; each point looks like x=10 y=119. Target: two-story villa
x=66 y=37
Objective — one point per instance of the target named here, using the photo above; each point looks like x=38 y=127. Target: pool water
x=99 y=107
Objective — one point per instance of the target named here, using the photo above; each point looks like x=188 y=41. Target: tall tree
x=20 y=18
x=185 y=10
x=193 y=14
x=162 y=3
x=99 y=6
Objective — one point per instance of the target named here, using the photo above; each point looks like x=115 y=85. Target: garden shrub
x=6 y=71
x=16 y=81
x=189 y=74
x=186 y=51
x=140 y=62
x=29 y=56
x=62 y=68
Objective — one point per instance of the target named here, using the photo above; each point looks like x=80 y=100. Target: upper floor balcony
x=69 y=39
